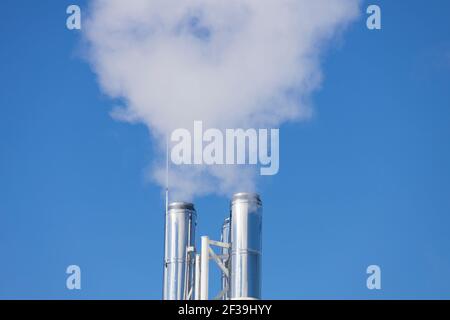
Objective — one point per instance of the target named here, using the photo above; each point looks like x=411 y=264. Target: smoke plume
x=229 y=63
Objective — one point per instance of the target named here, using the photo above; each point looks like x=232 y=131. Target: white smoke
x=229 y=63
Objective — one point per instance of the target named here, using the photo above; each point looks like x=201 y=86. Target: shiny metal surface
x=225 y=237
x=181 y=220
x=246 y=245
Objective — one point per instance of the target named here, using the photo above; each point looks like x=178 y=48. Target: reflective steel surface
x=246 y=245
x=226 y=261
x=181 y=220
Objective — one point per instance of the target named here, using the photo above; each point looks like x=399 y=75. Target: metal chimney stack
x=225 y=238
x=246 y=245
x=181 y=220
x=186 y=272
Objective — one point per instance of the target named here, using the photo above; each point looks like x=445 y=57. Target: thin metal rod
x=167 y=173
x=167 y=208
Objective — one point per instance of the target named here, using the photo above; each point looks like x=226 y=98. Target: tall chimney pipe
x=181 y=220
x=246 y=245
x=225 y=237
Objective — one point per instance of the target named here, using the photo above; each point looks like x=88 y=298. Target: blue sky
x=366 y=181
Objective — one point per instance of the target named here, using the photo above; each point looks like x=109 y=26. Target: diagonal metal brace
x=219 y=262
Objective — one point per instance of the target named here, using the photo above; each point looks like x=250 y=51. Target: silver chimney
x=179 y=255
x=246 y=245
x=225 y=238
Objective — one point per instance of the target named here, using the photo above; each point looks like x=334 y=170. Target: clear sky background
x=366 y=181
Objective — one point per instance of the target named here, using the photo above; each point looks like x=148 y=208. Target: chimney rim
x=181 y=205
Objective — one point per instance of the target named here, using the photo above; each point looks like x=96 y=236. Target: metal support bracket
x=202 y=277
